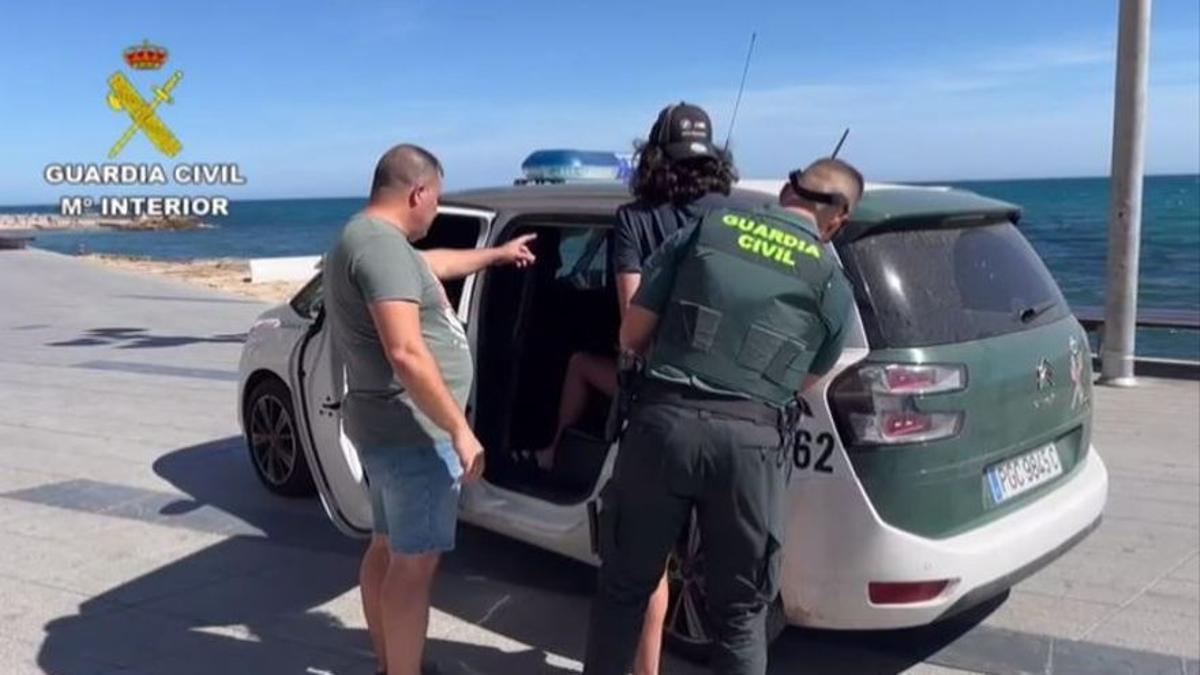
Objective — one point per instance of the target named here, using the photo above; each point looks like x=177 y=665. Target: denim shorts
x=414 y=496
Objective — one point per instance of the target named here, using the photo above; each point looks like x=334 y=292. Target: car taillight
x=915 y=379
x=904 y=426
x=877 y=403
x=905 y=593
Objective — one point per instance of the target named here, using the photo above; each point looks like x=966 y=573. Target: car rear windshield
x=921 y=287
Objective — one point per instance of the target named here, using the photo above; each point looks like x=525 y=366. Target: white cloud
x=1042 y=57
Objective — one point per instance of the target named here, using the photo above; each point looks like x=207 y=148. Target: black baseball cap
x=684 y=131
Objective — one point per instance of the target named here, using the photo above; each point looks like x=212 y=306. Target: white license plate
x=1023 y=473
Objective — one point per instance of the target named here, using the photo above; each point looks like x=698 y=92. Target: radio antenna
x=742 y=87
x=838 y=147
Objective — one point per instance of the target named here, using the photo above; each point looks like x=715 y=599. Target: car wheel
x=688 y=630
x=273 y=439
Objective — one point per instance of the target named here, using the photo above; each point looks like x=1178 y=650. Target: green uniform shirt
x=658 y=279
x=374 y=261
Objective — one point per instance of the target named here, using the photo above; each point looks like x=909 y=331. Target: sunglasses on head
x=831 y=198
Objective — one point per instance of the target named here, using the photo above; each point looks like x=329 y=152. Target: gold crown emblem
x=146 y=56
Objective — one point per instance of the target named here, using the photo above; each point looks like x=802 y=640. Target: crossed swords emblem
x=122 y=95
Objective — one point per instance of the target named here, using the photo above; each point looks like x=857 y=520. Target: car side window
x=452 y=231
x=584 y=255
x=308 y=301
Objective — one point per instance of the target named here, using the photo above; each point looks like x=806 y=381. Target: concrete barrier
x=283 y=269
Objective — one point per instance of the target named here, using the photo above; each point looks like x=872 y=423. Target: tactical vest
x=744 y=311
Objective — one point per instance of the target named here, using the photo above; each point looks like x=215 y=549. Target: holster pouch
x=607 y=519
x=628 y=380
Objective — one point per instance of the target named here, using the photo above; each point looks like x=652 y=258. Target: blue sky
x=306 y=94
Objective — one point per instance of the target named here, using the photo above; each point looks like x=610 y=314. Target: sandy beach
x=231 y=275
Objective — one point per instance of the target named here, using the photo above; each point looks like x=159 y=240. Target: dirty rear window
x=922 y=287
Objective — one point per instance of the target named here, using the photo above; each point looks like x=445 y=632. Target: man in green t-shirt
x=408 y=375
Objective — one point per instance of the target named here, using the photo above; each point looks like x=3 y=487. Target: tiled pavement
x=134 y=538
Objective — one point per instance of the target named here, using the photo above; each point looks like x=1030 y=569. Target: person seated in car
x=679 y=171
x=636 y=240
x=678 y=168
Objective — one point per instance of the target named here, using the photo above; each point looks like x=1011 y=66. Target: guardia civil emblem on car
x=1078 y=391
x=1044 y=375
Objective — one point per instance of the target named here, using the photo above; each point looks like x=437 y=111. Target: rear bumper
x=827 y=565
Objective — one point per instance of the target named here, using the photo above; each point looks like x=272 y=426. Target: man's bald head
x=833 y=175
x=403 y=168
x=406 y=189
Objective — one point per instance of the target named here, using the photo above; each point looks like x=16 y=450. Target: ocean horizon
x=1065 y=219
x=46 y=207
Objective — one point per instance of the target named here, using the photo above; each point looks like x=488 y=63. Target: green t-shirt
x=373 y=261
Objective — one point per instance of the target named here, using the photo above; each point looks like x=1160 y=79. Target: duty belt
x=657 y=391
x=785 y=419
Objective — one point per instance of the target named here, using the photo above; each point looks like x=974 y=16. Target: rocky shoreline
x=51 y=222
x=230 y=275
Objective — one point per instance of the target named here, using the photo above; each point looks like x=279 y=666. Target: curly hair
x=659 y=179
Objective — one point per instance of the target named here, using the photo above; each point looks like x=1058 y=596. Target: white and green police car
x=946 y=457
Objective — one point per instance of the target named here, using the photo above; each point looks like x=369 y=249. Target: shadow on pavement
x=255 y=601
x=141 y=338
x=267 y=598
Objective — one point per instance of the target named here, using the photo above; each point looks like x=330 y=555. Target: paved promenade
x=134 y=537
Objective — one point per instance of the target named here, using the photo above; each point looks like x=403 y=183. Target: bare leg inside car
x=650 y=642
x=584 y=371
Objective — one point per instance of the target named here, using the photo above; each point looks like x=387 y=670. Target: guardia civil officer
x=681 y=175
x=733 y=316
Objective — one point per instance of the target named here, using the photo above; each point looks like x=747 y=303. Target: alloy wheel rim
x=687 y=618
x=272 y=439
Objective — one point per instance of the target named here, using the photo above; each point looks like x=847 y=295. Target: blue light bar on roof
x=561 y=166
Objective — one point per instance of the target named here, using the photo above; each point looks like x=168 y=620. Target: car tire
x=688 y=630
x=273 y=440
